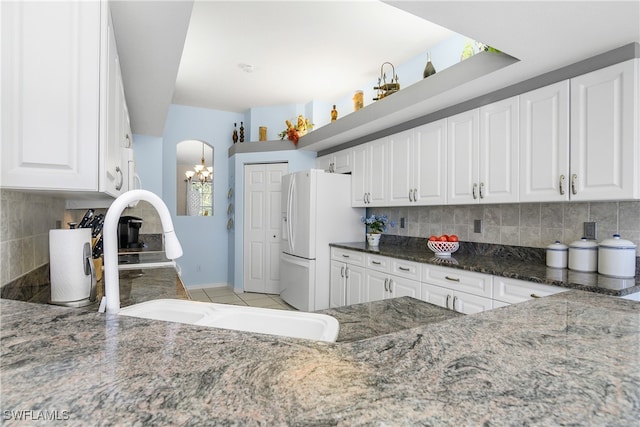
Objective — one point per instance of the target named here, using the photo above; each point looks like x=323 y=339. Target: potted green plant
x=377 y=224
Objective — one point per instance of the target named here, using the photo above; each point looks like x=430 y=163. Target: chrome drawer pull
x=345 y=256
x=535 y=296
x=376 y=262
x=404 y=269
x=453 y=279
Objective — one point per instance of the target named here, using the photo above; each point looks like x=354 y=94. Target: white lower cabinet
x=512 y=291
x=462 y=291
x=347 y=278
x=390 y=278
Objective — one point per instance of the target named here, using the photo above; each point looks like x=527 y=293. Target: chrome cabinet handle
x=574 y=177
x=474 y=191
x=482 y=190
x=390 y=285
x=453 y=279
x=446 y=303
x=342 y=271
x=561 y=185
x=415 y=194
x=385 y=285
x=404 y=268
x=454 y=303
x=346 y=272
x=376 y=262
x=345 y=256
x=410 y=198
x=535 y=296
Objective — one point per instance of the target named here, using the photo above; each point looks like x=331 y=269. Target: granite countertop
x=506 y=261
x=136 y=285
x=571 y=358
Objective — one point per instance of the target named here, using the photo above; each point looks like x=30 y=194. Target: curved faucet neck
x=173 y=248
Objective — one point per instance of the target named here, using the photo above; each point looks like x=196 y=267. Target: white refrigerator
x=316 y=208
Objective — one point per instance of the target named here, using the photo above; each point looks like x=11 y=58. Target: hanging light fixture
x=201 y=172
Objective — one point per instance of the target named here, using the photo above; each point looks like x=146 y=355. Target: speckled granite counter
x=372 y=319
x=572 y=358
x=506 y=261
x=136 y=285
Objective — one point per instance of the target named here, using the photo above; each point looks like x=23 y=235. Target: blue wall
x=298 y=160
x=148 y=154
x=204 y=239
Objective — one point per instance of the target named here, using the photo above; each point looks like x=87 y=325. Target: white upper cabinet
x=62 y=99
x=544 y=144
x=462 y=157
x=369 y=174
x=605 y=146
x=483 y=154
x=498 y=182
x=339 y=162
x=417 y=165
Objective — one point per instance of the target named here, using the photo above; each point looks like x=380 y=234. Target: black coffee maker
x=128 y=232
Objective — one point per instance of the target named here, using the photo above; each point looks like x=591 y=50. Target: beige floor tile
x=227 y=299
x=212 y=292
x=249 y=296
x=198 y=295
x=262 y=302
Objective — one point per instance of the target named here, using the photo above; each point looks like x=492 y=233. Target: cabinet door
x=342 y=161
x=544 y=144
x=470 y=304
x=498 y=152
x=356 y=292
x=436 y=295
x=377 y=172
x=400 y=174
x=462 y=158
x=605 y=149
x=376 y=285
x=359 y=177
x=429 y=164
x=401 y=287
x=112 y=135
x=50 y=95
x=337 y=292
x=325 y=163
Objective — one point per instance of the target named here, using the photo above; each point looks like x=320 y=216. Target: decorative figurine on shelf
x=334 y=114
x=293 y=133
x=235 y=133
x=358 y=100
x=429 y=69
x=385 y=89
x=241 y=131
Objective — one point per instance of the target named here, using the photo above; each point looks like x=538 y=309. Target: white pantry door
x=262 y=229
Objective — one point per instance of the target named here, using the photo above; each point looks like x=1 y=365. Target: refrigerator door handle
x=290 y=212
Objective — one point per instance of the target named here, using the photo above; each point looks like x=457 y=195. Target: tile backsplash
x=527 y=224
x=25 y=221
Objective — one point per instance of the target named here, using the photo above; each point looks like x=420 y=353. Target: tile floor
x=224 y=295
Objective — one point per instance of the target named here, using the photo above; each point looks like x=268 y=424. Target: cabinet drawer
x=514 y=291
x=466 y=281
x=351 y=257
x=378 y=263
x=408 y=269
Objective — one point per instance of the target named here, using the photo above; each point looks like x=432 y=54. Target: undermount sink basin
x=294 y=324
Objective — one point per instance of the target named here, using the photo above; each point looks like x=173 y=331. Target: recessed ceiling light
x=247 y=68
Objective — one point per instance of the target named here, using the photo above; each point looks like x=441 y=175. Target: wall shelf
x=260 y=147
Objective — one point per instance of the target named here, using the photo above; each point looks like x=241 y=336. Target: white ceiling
x=319 y=50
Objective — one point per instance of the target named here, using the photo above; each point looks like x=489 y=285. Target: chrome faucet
x=173 y=249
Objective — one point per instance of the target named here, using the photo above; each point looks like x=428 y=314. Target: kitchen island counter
x=571 y=358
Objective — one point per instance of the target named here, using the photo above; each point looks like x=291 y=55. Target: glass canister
x=557 y=255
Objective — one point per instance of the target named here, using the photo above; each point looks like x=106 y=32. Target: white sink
x=285 y=323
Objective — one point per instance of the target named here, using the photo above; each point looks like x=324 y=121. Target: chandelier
x=200 y=172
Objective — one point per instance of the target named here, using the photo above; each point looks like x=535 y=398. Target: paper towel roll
x=69 y=282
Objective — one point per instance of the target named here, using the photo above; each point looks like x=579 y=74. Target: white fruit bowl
x=443 y=248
